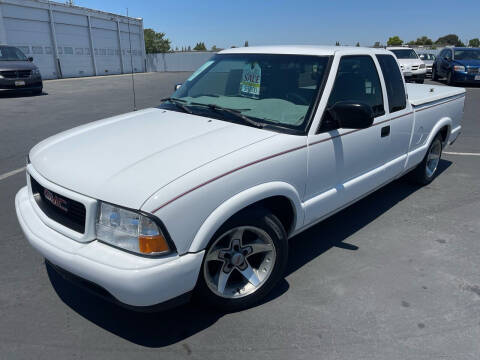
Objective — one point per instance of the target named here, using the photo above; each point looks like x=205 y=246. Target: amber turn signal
x=152 y=244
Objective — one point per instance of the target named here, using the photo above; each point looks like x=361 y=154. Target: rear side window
x=394 y=82
x=357 y=80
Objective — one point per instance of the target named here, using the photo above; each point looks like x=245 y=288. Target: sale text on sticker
x=251 y=81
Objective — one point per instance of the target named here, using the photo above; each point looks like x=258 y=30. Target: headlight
x=130 y=230
x=36 y=71
x=422 y=66
x=459 y=68
x=1 y=76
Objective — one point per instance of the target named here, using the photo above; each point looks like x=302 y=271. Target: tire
x=434 y=74
x=420 y=81
x=38 y=91
x=450 y=81
x=426 y=171
x=252 y=240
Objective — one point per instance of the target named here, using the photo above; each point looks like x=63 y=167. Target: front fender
x=240 y=201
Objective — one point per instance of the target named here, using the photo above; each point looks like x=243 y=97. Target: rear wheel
x=244 y=261
x=425 y=172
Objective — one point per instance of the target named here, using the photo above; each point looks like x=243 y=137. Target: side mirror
x=30 y=59
x=351 y=115
x=177 y=86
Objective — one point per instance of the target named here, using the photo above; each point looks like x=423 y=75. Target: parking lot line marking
x=461 y=153
x=11 y=173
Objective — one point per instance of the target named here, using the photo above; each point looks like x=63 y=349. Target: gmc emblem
x=55 y=200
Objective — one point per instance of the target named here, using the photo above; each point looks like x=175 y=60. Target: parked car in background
x=271 y=139
x=457 y=64
x=413 y=68
x=428 y=59
x=17 y=72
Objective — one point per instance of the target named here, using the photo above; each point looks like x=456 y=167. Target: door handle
x=385 y=131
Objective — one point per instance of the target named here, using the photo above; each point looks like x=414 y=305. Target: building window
x=48 y=49
x=60 y=50
x=78 y=51
x=68 y=50
x=87 y=51
x=103 y=51
x=37 y=49
x=25 y=49
x=110 y=52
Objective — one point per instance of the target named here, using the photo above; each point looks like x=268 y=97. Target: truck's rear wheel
x=425 y=172
x=244 y=261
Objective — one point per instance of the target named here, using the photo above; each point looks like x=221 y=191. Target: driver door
x=344 y=164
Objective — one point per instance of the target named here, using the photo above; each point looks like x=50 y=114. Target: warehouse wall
x=180 y=61
x=70 y=41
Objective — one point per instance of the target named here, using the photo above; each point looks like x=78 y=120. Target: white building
x=71 y=41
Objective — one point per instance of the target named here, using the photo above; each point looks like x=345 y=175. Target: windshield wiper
x=178 y=103
x=233 y=112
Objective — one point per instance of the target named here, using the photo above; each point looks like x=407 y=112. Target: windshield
x=10 y=53
x=426 y=56
x=467 y=54
x=272 y=90
x=405 y=54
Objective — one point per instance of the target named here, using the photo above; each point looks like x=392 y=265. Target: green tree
x=246 y=44
x=411 y=42
x=358 y=44
x=450 y=39
x=474 y=42
x=215 y=49
x=200 y=46
x=337 y=43
x=424 y=40
x=189 y=48
x=394 y=41
x=155 y=42
x=377 y=44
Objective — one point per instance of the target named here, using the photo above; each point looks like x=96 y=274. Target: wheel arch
x=274 y=196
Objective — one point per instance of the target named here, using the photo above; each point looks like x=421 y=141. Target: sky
x=227 y=23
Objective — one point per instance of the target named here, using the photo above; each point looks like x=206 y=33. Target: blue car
x=458 y=65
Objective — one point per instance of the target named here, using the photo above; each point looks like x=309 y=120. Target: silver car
x=428 y=59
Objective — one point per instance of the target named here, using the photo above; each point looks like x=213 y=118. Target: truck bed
x=419 y=94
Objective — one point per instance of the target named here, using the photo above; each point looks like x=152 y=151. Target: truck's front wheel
x=244 y=261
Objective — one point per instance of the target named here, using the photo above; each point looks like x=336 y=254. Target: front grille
x=414 y=67
x=473 y=70
x=19 y=74
x=68 y=212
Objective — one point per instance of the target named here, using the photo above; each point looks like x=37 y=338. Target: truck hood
x=16 y=65
x=125 y=159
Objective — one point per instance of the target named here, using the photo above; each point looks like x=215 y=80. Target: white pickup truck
x=201 y=194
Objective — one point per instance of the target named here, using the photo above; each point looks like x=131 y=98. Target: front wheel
x=434 y=74
x=244 y=261
x=427 y=169
x=450 y=81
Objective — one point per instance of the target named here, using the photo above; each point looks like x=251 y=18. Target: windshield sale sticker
x=251 y=80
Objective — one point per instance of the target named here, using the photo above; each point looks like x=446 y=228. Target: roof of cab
x=302 y=50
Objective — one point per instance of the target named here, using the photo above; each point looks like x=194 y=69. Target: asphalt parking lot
x=394 y=276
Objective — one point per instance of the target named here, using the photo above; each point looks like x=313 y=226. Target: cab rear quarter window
x=394 y=82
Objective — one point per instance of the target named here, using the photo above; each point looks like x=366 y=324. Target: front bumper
x=415 y=75
x=132 y=280
x=463 y=76
x=31 y=83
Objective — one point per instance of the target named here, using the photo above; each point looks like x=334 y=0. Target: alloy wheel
x=239 y=262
